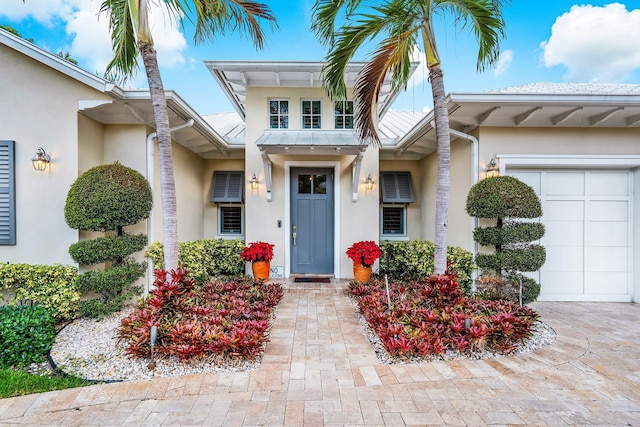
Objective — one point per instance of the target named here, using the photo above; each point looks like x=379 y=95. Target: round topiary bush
x=108 y=197
x=503 y=197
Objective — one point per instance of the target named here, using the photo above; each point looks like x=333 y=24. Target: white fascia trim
x=615 y=161
x=336 y=210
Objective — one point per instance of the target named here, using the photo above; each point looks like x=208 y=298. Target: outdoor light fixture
x=40 y=160
x=368 y=183
x=254 y=182
x=492 y=169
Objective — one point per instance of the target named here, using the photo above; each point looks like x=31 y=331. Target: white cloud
x=595 y=44
x=91 y=44
x=504 y=62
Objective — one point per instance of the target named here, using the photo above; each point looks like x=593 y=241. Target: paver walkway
x=319 y=369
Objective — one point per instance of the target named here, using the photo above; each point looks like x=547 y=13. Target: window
x=278 y=114
x=343 y=111
x=230 y=220
x=7 y=194
x=394 y=220
x=311 y=113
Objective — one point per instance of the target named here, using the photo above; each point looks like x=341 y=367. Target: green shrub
x=26 y=334
x=205 y=258
x=113 y=281
x=413 y=260
x=108 y=197
x=510 y=232
x=530 y=258
x=492 y=287
x=503 y=197
x=51 y=286
x=102 y=249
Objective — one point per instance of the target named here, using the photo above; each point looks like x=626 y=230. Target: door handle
x=294 y=234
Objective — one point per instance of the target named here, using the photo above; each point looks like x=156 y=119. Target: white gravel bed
x=89 y=349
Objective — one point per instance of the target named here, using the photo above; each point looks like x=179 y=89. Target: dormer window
x=311 y=113
x=278 y=114
x=343 y=112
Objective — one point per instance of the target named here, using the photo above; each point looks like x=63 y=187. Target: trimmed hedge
x=503 y=197
x=108 y=197
x=102 y=249
x=413 y=260
x=510 y=232
x=51 y=286
x=530 y=258
x=26 y=334
x=205 y=258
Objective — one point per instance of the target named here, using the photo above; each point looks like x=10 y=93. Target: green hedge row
x=413 y=260
x=102 y=249
x=51 y=286
x=26 y=334
x=205 y=258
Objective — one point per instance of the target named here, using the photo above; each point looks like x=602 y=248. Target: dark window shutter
x=396 y=187
x=7 y=194
x=227 y=187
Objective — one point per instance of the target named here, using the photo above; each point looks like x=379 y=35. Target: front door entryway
x=312 y=234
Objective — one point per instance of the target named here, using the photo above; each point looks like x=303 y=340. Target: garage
x=589 y=241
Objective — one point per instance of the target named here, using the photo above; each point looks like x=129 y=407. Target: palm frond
x=123 y=38
x=392 y=57
x=212 y=18
x=325 y=13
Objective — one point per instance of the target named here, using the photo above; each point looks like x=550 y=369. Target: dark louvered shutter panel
x=7 y=194
x=227 y=187
x=396 y=187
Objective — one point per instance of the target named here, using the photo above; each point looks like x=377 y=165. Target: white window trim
x=302 y=114
x=403 y=236
x=279 y=115
x=230 y=236
x=353 y=115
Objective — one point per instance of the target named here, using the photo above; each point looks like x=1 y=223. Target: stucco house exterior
x=285 y=166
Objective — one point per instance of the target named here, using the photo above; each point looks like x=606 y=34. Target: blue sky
x=547 y=40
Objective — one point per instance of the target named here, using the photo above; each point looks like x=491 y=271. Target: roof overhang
x=309 y=142
x=469 y=111
x=235 y=76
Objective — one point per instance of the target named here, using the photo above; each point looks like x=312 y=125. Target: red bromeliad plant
x=227 y=318
x=257 y=251
x=364 y=252
x=432 y=317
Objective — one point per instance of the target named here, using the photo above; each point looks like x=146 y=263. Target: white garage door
x=587 y=215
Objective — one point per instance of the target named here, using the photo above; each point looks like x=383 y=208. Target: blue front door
x=312 y=221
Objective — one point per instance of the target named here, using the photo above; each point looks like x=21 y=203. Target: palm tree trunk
x=167 y=180
x=444 y=164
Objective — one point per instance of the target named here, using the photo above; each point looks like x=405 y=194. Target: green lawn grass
x=19 y=383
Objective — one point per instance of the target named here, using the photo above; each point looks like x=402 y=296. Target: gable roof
x=235 y=76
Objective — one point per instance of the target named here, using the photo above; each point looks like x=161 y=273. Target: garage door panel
x=609 y=184
x=564 y=184
x=561 y=282
x=606 y=259
x=607 y=234
x=532 y=179
x=563 y=210
x=564 y=258
x=601 y=283
x=563 y=233
x=588 y=239
x=604 y=210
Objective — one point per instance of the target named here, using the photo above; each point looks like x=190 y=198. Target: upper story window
x=278 y=114
x=311 y=113
x=343 y=112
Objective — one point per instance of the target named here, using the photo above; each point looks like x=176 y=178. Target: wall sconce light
x=254 y=182
x=368 y=183
x=492 y=169
x=40 y=160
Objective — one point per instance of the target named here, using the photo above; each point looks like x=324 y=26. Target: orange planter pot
x=361 y=273
x=261 y=270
